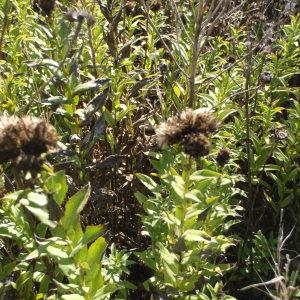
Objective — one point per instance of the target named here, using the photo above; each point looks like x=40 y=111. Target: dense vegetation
x=150 y=149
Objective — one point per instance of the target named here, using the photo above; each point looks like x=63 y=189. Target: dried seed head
x=164 y=193
x=21 y=138
x=176 y=129
x=279 y=134
x=44 y=7
x=265 y=77
x=79 y=16
x=169 y=132
x=155 y=5
x=163 y=67
x=190 y=129
x=294 y=81
x=230 y=61
x=223 y=157
x=192 y=122
x=71 y=15
x=129 y=7
x=38 y=136
x=196 y=144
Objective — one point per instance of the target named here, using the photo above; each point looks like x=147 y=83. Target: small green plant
x=186 y=218
x=46 y=254
x=188 y=213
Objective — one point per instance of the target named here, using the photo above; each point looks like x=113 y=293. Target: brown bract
x=25 y=139
x=190 y=129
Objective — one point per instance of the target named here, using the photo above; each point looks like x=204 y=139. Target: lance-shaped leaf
x=57 y=186
x=94 y=105
x=139 y=85
x=37 y=204
x=55 y=100
x=74 y=207
x=91 y=233
x=91 y=85
x=98 y=128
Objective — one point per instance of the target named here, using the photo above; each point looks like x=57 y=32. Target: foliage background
x=102 y=217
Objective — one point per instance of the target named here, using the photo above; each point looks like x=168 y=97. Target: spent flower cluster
x=23 y=140
x=190 y=129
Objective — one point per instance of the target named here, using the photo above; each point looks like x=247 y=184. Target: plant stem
x=195 y=54
x=250 y=203
x=5 y=22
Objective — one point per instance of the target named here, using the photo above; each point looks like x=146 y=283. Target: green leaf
x=72 y=297
x=43 y=62
x=56 y=252
x=91 y=233
x=55 y=100
x=147 y=181
x=74 y=207
x=89 y=86
x=202 y=174
x=140 y=197
x=57 y=184
x=6 y=269
x=194 y=235
x=37 y=204
x=95 y=252
x=105 y=291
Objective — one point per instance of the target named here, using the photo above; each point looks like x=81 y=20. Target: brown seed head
x=169 y=132
x=37 y=136
x=22 y=137
x=196 y=144
x=155 y=5
x=129 y=7
x=44 y=7
x=175 y=129
x=223 y=157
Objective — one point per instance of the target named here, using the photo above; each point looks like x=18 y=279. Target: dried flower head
x=24 y=138
x=155 y=5
x=279 y=134
x=129 y=7
x=79 y=16
x=265 y=77
x=163 y=67
x=164 y=193
x=190 y=129
x=229 y=63
x=223 y=157
x=196 y=144
x=44 y=7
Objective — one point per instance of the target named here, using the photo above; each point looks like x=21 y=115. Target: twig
x=250 y=199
